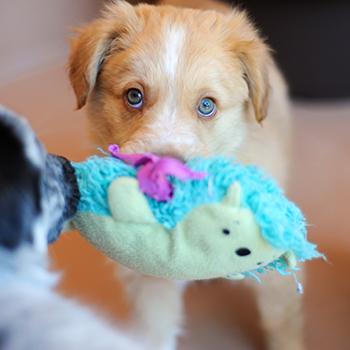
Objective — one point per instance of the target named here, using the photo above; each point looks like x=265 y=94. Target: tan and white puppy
x=187 y=82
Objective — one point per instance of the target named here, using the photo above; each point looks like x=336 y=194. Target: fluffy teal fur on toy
x=259 y=202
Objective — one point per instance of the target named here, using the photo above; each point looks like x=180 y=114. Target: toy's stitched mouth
x=243 y=251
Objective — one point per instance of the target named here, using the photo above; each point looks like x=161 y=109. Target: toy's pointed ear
x=233 y=195
x=127 y=203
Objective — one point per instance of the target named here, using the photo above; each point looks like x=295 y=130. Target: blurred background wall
x=34 y=33
x=311 y=44
x=310 y=41
x=310 y=38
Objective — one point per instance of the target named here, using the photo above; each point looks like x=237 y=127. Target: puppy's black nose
x=243 y=252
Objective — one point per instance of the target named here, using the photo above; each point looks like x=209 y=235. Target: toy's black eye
x=206 y=108
x=226 y=231
x=243 y=252
x=134 y=98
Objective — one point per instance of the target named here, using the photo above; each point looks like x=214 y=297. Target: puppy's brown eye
x=134 y=98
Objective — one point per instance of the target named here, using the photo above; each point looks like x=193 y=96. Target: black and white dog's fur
x=36 y=197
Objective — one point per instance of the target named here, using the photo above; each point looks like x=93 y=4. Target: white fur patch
x=25 y=265
x=40 y=229
x=34 y=316
x=174 y=39
x=32 y=149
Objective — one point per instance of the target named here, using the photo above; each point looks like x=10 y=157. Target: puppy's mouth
x=161 y=152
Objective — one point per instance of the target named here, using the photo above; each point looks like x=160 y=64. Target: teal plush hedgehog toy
x=208 y=218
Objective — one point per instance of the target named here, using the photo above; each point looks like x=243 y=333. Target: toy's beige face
x=212 y=241
x=229 y=235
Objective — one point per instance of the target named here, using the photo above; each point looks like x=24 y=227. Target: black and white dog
x=37 y=195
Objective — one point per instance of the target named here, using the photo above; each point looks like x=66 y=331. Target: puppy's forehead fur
x=185 y=47
x=199 y=32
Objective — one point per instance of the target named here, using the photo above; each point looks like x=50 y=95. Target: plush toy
x=208 y=218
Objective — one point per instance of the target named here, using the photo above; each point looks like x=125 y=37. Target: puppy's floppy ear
x=254 y=56
x=255 y=60
x=95 y=42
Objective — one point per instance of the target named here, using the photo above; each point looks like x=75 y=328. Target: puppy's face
x=170 y=81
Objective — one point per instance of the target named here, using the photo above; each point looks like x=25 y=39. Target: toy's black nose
x=243 y=252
